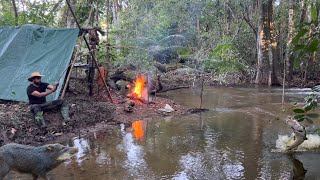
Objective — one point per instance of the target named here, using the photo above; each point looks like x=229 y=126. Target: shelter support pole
x=91 y=53
x=69 y=74
x=91 y=76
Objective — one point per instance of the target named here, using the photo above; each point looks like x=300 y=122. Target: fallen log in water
x=168 y=89
x=197 y=110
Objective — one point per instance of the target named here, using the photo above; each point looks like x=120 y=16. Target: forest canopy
x=262 y=40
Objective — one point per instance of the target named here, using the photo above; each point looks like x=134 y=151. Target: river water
x=236 y=139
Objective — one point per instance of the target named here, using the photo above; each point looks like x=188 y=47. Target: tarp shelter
x=28 y=48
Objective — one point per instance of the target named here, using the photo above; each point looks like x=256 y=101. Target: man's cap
x=35 y=74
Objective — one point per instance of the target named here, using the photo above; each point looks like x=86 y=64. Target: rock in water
x=167 y=108
x=295 y=141
x=299 y=134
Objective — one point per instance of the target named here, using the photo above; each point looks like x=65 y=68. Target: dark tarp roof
x=28 y=48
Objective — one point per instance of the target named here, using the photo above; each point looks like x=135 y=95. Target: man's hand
x=54 y=87
x=56 y=84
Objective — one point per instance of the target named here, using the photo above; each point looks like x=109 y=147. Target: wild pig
x=37 y=161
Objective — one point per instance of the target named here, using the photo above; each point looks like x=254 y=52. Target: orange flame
x=138 y=130
x=139 y=85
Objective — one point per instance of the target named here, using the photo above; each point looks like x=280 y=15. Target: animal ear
x=50 y=147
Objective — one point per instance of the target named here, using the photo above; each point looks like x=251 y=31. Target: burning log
x=138 y=100
x=139 y=91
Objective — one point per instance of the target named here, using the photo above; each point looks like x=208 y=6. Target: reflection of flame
x=138 y=130
x=139 y=90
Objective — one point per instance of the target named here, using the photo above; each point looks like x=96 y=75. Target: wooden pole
x=88 y=46
x=156 y=86
x=91 y=75
x=148 y=89
x=283 y=81
x=69 y=75
x=201 y=94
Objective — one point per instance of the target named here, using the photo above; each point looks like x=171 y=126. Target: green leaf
x=299 y=116
x=313 y=46
x=309 y=120
x=298 y=47
x=313 y=115
x=297 y=37
x=298 y=110
x=300 y=120
x=307 y=107
x=300 y=54
x=314 y=104
x=316 y=88
x=220 y=48
x=317 y=130
x=314 y=13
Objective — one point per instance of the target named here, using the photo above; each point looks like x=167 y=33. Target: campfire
x=139 y=92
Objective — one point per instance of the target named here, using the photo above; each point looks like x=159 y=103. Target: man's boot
x=39 y=119
x=65 y=114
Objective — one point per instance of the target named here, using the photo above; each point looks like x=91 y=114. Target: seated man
x=37 y=93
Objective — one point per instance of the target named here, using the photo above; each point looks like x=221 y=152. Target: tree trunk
x=15 y=12
x=265 y=54
x=268 y=71
x=114 y=12
x=228 y=18
x=303 y=10
x=70 y=21
x=260 y=48
x=107 y=60
x=274 y=55
x=96 y=15
x=288 y=58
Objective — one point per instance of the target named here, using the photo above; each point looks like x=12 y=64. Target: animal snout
x=74 y=150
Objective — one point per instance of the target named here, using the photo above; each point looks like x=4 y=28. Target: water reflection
x=232 y=141
x=137 y=127
x=134 y=162
x=299 y=172
x=83 y=146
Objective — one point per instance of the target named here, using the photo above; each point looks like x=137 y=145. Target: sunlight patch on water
x=83 y=146
x=233 y=171
x=312 y=143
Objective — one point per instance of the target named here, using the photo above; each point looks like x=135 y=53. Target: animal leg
x=44 y=176
x=4 y=169
x=35 y=177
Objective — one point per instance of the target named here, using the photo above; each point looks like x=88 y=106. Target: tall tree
x=15 y=11
x=266 y=45
x=288 y=57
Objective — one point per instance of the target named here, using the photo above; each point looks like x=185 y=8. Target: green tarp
x=30 y=48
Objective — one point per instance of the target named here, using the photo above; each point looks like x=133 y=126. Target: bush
x=223 y=59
